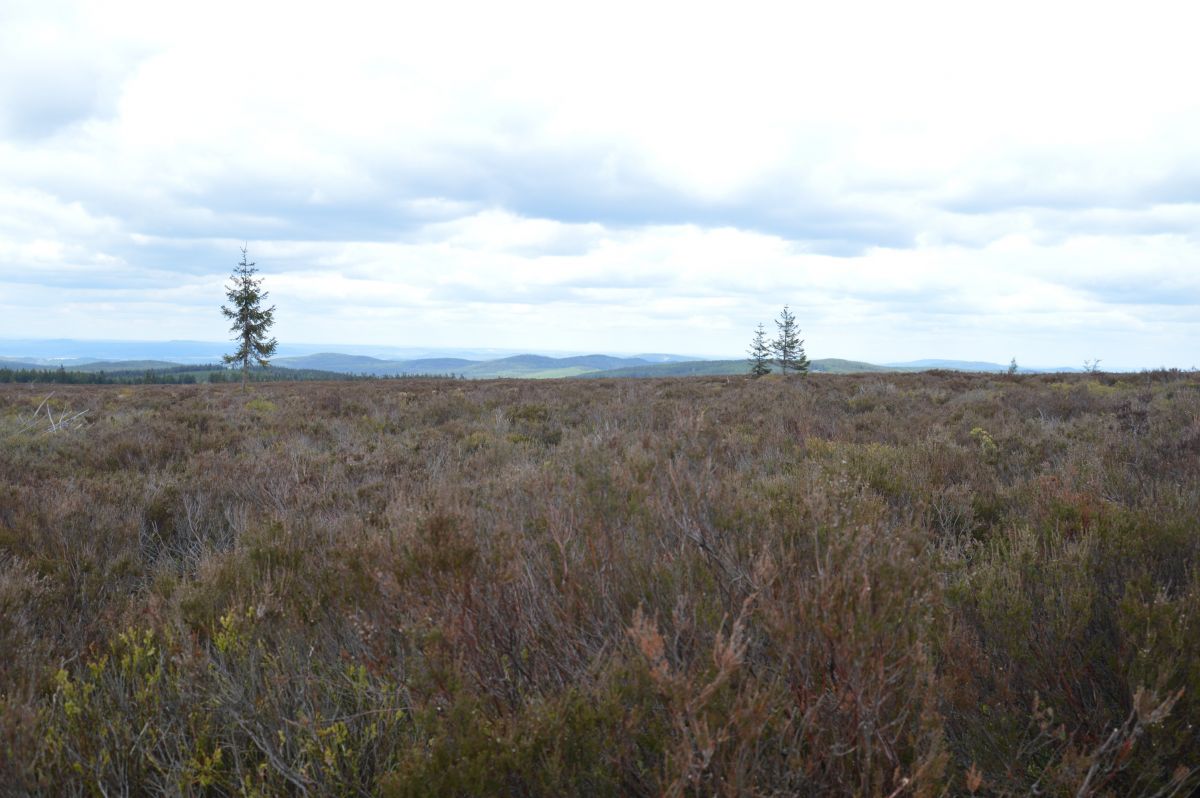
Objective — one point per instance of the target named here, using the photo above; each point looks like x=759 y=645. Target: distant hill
x=343 y=364
x=542 y=366
x=42 y=362
x=89 y=366
x=698 y=368
x=155 y=372
x=545 y=367
x=435 y=365
x=70 y=351
x=658 y=357
x=952 y=365
x=330 y=361
x=975 y=365
x=525 y=366
x=521 y=366
x=123 y=365
x=836 y=365
x=690 y=368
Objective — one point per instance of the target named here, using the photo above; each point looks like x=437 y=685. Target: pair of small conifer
x=785 y=351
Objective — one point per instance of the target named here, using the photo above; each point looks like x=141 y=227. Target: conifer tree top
x=788 y=346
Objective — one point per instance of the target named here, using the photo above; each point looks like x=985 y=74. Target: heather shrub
x=922 y=584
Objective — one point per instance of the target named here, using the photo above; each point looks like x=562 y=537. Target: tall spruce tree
x=787 y=347
x=250 y=321
x=760 y=353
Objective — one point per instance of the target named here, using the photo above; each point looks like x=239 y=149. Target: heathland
x=881 y=585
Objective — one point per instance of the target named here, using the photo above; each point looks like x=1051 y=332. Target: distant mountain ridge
x=87 y=364
x=699 y=368
x=545 y=367
x=69 y=351
x=972 y=365
x=478 y=364
x=528 y=366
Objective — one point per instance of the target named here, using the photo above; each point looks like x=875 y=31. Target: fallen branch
x=62 y=423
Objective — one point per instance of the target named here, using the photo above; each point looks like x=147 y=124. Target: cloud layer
x=930 y=179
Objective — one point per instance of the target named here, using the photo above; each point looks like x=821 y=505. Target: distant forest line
x=181 y=375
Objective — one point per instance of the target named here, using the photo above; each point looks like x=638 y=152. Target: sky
x=966 y=180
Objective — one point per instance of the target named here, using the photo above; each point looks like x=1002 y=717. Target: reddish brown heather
x=884 y=585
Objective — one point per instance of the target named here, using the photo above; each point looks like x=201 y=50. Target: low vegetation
x=876 y=585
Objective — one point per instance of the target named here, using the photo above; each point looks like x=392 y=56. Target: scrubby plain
x=877 y=585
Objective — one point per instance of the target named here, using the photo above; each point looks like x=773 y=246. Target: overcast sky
x=960 y=180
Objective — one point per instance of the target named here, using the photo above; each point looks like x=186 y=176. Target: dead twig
x=65 y=421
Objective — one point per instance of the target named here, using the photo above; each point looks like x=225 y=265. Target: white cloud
x=916 y=178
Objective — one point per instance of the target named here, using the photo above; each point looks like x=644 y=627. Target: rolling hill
x=950 y=365
x=521 y=366
x=125 y=365
x=973 y=365
x=363 y=364
x=698 y=368
x=545 y=367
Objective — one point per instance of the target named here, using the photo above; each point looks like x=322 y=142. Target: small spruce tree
x=787 y=346
x=760 y=353
x=250 y=321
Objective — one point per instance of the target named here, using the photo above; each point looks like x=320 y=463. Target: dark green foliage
x=787 y=346
x=176 y=375
x=884 y=584
x=760 y=353
x=250 y=321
